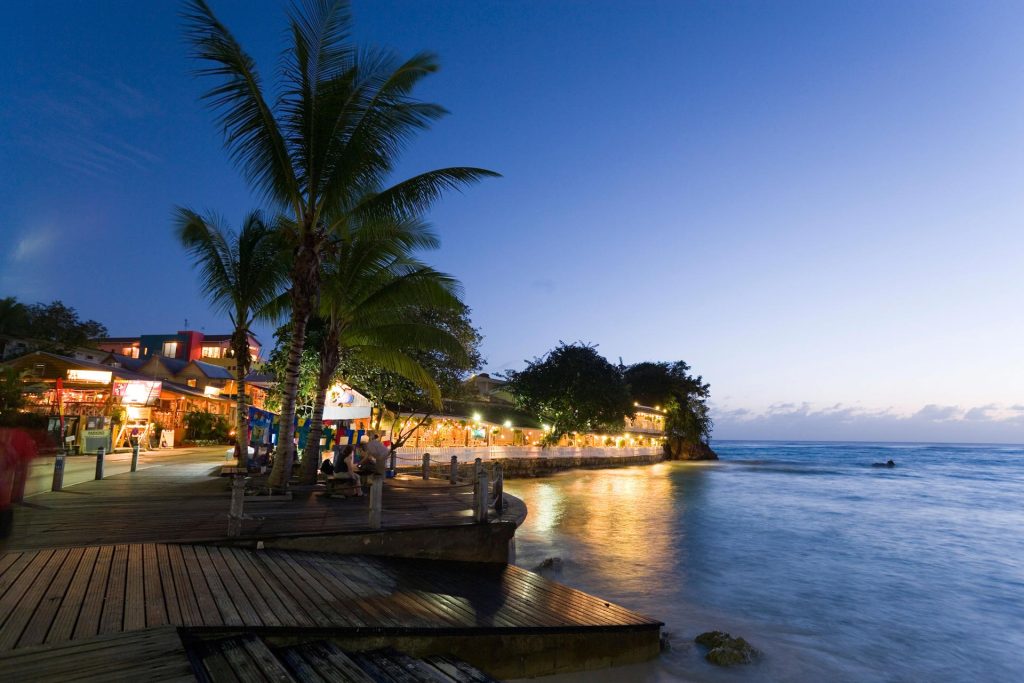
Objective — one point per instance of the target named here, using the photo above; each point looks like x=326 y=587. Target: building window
x=130 y=351
x=192 y=382
x=212 y=352
x=170 y=349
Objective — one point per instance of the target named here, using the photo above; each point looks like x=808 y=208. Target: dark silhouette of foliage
x=572 y=389
x=53 y=327
x=680 y=394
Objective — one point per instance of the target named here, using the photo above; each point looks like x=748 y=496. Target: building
x=14 y=346
x=184 y=345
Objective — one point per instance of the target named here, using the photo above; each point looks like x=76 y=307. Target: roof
x=124 y=361
x=213 y=371
x=172 y=364
x=492 y=413
x=115 y=340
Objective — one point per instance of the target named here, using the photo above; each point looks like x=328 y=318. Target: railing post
x=58 y=471
x=18 y=481
x=135 y=455
x=100 y=453
x=480 y=496
x=235 y=513
x=426 y=465
x=453 y=474
x=394 y=464
x=477 y=466
x=499 y=488
x=376 y=501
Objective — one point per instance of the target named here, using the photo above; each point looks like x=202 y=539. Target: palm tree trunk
x=311 y=454
x=305 y=278
x=241 y=413
x=286 y=434
x=330 y=358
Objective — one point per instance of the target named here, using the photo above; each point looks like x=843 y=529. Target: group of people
x=368 y=457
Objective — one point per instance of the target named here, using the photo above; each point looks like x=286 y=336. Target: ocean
x=834 y=569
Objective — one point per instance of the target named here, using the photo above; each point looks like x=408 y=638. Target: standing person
x=16 y=450
x=380 y=454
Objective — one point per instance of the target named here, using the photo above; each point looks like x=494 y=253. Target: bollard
x=393 y=465
x=499 y=488
x=135 y=456
x=426 y=465
x=453 y=474
x=18 y=481
x=58 y=472
x=376 y=501
x=235 y=513
x=480 y=493
x=100 y=453
x=478 y=465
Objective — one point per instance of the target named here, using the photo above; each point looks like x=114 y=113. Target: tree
x=371 y=282
x=684 y=397
x=328 y=143
x=242 y=275
x=572 y=389
x=53 y=327
x=449 y=371
x=10 y=390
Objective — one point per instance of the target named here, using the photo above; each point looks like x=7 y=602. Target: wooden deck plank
x=289 y=583
x=233 y=585
x=12 y=596
x=168 y=588
x=156 y=610
x=188 y=607
x=208 y=611
x=6 y=560
x=45 y=613
x=252 y=587
x=112 y=620
x=29 y=604
x=228 y=612
x=268 y=598
x=71 y=605
x=135 y=591
x=88 y=623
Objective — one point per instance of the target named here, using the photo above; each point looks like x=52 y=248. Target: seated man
x=379 y=452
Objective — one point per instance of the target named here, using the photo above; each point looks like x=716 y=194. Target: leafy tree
x=277 y=362
x=369 y=284
x=54 y=327
x=572 y=389
x=242 y=275
x=323 y=148
x=201 y=425
x=684 y=397
x=10 y=390
x=449 y=371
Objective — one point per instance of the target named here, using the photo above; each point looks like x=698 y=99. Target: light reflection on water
x=837 y=570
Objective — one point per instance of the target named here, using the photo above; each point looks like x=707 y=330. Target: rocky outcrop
x=676 y=449
x=724 y=650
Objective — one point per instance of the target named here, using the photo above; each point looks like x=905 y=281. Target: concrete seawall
x=535 y=466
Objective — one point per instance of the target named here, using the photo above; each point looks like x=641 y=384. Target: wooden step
x=245 y=658
x=321 y=661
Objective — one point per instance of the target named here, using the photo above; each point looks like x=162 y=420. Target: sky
x=816 y=205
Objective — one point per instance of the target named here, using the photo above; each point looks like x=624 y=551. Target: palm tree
x=243 y=275
x=372 y=279
x=330 y=139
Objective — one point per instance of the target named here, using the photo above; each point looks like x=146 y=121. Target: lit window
x=171 y=349
x=192 y=382
x=212 y=352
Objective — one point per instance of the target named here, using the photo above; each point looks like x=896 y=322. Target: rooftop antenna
x=186 y=323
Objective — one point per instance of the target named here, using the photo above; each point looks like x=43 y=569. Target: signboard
x=89 y=376
x=137 y=392
x=345 y=403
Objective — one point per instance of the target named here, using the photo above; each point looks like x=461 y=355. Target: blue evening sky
x=817 y=205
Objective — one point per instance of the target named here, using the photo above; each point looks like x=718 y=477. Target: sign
x=345 y=403
x=89 y=376
x=137 y=392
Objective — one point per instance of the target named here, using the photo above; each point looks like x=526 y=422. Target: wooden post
x=58 y=472
x=499 y=486
x=453 y=474
x=477 y=466
x=18 y=480
x=480 y=496
x=376 y=501
x=135 y=455
x=100 y=453
x=235 y=513
x=426 y=465
x=392 y=464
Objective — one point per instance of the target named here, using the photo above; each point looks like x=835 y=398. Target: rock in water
x=724 y=650
x=550 y=564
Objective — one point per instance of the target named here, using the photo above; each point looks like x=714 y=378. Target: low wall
x=408 y=454
x=538 y=464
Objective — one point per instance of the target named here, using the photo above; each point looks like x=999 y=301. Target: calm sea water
x=836 y=570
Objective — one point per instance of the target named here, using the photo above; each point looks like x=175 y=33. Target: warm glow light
x=211 y=391
x=97 y=376
x=508 y=424
x=476 y=417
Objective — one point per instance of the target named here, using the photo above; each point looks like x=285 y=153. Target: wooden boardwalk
x=61 y=594
x=187 y=503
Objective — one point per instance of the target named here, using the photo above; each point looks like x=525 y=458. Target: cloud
x=30 y=245
x=841 y=422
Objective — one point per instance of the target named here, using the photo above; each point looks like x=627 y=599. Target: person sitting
x=327 y=467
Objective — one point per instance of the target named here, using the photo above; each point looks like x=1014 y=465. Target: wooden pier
x=488 y=615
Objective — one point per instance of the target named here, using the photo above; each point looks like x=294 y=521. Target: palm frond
x=417 y=194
